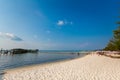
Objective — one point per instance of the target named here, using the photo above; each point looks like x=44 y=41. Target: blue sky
x=57 y=24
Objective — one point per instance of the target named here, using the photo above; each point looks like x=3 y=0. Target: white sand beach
x=90 y=67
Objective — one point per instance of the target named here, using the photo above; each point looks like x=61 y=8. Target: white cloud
x=64 y=22
x=1 y=34
x=10 y=36
x=60 y=23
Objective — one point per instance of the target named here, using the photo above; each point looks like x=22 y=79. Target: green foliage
x=19 y=51
x=114 y=44
x=118 y=22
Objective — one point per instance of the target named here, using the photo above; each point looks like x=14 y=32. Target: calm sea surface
x=18 y=60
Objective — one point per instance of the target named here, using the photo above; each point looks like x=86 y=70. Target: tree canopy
x=114 y=43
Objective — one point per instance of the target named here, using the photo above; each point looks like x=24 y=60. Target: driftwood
x=111 y=54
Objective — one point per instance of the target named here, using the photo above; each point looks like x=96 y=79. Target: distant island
x=18 y=51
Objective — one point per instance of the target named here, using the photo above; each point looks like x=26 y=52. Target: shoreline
x=89 y=67
x=42 y=64
x=46 y=63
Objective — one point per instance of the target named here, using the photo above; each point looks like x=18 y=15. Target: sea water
x=43 y=56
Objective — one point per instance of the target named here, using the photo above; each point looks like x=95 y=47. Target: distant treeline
x=114 y=43
x=19 y=51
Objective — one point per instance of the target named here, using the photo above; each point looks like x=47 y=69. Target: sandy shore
x=90 y=67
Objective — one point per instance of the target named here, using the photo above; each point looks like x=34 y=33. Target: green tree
x=114 y=44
